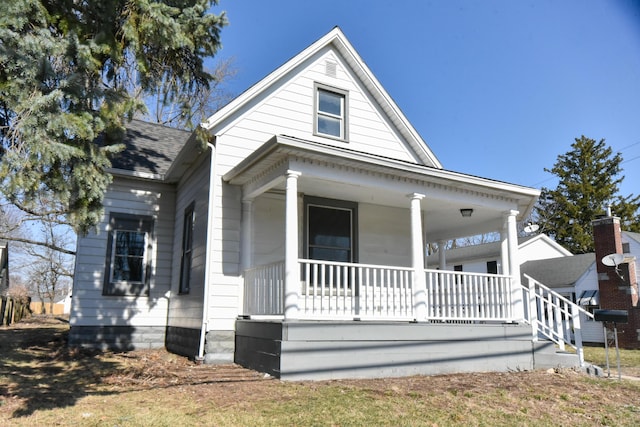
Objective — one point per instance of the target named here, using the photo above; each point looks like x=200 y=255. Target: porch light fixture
x=466 y=213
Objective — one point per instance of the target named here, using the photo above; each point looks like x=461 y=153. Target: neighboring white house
x=631 y=245
x=576 y=279
x=293 y=241
x=485 y=258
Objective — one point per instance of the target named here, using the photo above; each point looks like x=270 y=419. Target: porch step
x=546 y=355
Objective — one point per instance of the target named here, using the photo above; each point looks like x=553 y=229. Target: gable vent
x=330 y=68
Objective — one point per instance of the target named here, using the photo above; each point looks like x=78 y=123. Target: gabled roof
x=150 y=150
x=559 y=272
x=529 y=240
x=334 y=39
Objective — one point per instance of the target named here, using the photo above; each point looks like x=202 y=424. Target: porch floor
x=316 y=350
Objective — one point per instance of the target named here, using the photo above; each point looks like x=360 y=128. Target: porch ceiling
x=339 y=173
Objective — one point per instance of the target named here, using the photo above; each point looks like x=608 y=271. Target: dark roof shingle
x=559 y=272
x=149 y=147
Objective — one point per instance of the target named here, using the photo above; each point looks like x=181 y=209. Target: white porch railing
x=348 y=290
x=553 y=316
x=334 y=290
x=457 y=296
x=264 y=289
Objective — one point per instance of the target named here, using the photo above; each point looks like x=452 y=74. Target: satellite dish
x=612 y=260
x=531 y=228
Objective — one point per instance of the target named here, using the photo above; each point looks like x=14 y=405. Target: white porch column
x=504 y=250
x=247 y=234
x=442 y=257
x=417 y=259
x=291 y=268
x=517 y=307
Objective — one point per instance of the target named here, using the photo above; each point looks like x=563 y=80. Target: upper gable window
x=331 y=117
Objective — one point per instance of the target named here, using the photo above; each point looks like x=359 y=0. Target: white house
x=293 y=242
x=576 y=279
x=486 y=257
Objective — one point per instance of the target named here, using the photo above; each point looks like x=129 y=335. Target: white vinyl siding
x=185 y=310
x=289 y=110
x=382 y=238
x=384 y=235
x=89 y=306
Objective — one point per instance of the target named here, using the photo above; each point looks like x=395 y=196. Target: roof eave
x=525 y=196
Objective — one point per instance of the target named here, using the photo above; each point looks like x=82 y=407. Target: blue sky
x=497 y=88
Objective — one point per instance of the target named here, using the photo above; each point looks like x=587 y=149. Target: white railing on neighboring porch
x=553 y=316
x=334 y=290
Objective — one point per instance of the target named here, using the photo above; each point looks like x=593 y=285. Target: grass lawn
x=629 y=360
x=42 y=383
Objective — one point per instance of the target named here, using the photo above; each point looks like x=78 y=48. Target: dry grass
x=44 y=383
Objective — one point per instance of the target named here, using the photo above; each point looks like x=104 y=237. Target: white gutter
x=208 y=255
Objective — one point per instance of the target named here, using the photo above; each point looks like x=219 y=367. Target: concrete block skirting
x=183 y=341
x=297 y=350
x=219 y=347
x=118 y=338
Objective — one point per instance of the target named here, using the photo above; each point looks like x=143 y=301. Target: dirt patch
x=40 y=372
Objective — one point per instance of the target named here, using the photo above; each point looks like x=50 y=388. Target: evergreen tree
x=65 y=67
x=589 y=178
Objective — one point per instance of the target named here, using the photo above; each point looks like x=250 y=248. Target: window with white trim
x=128 y=260
x=330 y=112
x=187 y=249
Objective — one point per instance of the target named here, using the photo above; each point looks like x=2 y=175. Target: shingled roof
x=149 y=148
x=559 y=272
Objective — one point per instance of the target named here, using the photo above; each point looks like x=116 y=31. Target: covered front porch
x=333 y=250
x=329 y=233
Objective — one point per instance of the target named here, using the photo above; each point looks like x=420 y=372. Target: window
x=492 y=267
x=458 y=277
x=187 y=248
x=330 y=230
x=331 y=106
x=128 y=263
x=589 y=300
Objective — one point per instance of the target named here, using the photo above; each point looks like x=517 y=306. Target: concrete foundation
x=117 y=338
x=302 y=350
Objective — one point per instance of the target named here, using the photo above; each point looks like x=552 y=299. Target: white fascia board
x=407 y=168
x=285 y=145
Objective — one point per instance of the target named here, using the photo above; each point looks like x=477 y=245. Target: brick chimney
x=618 y=289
